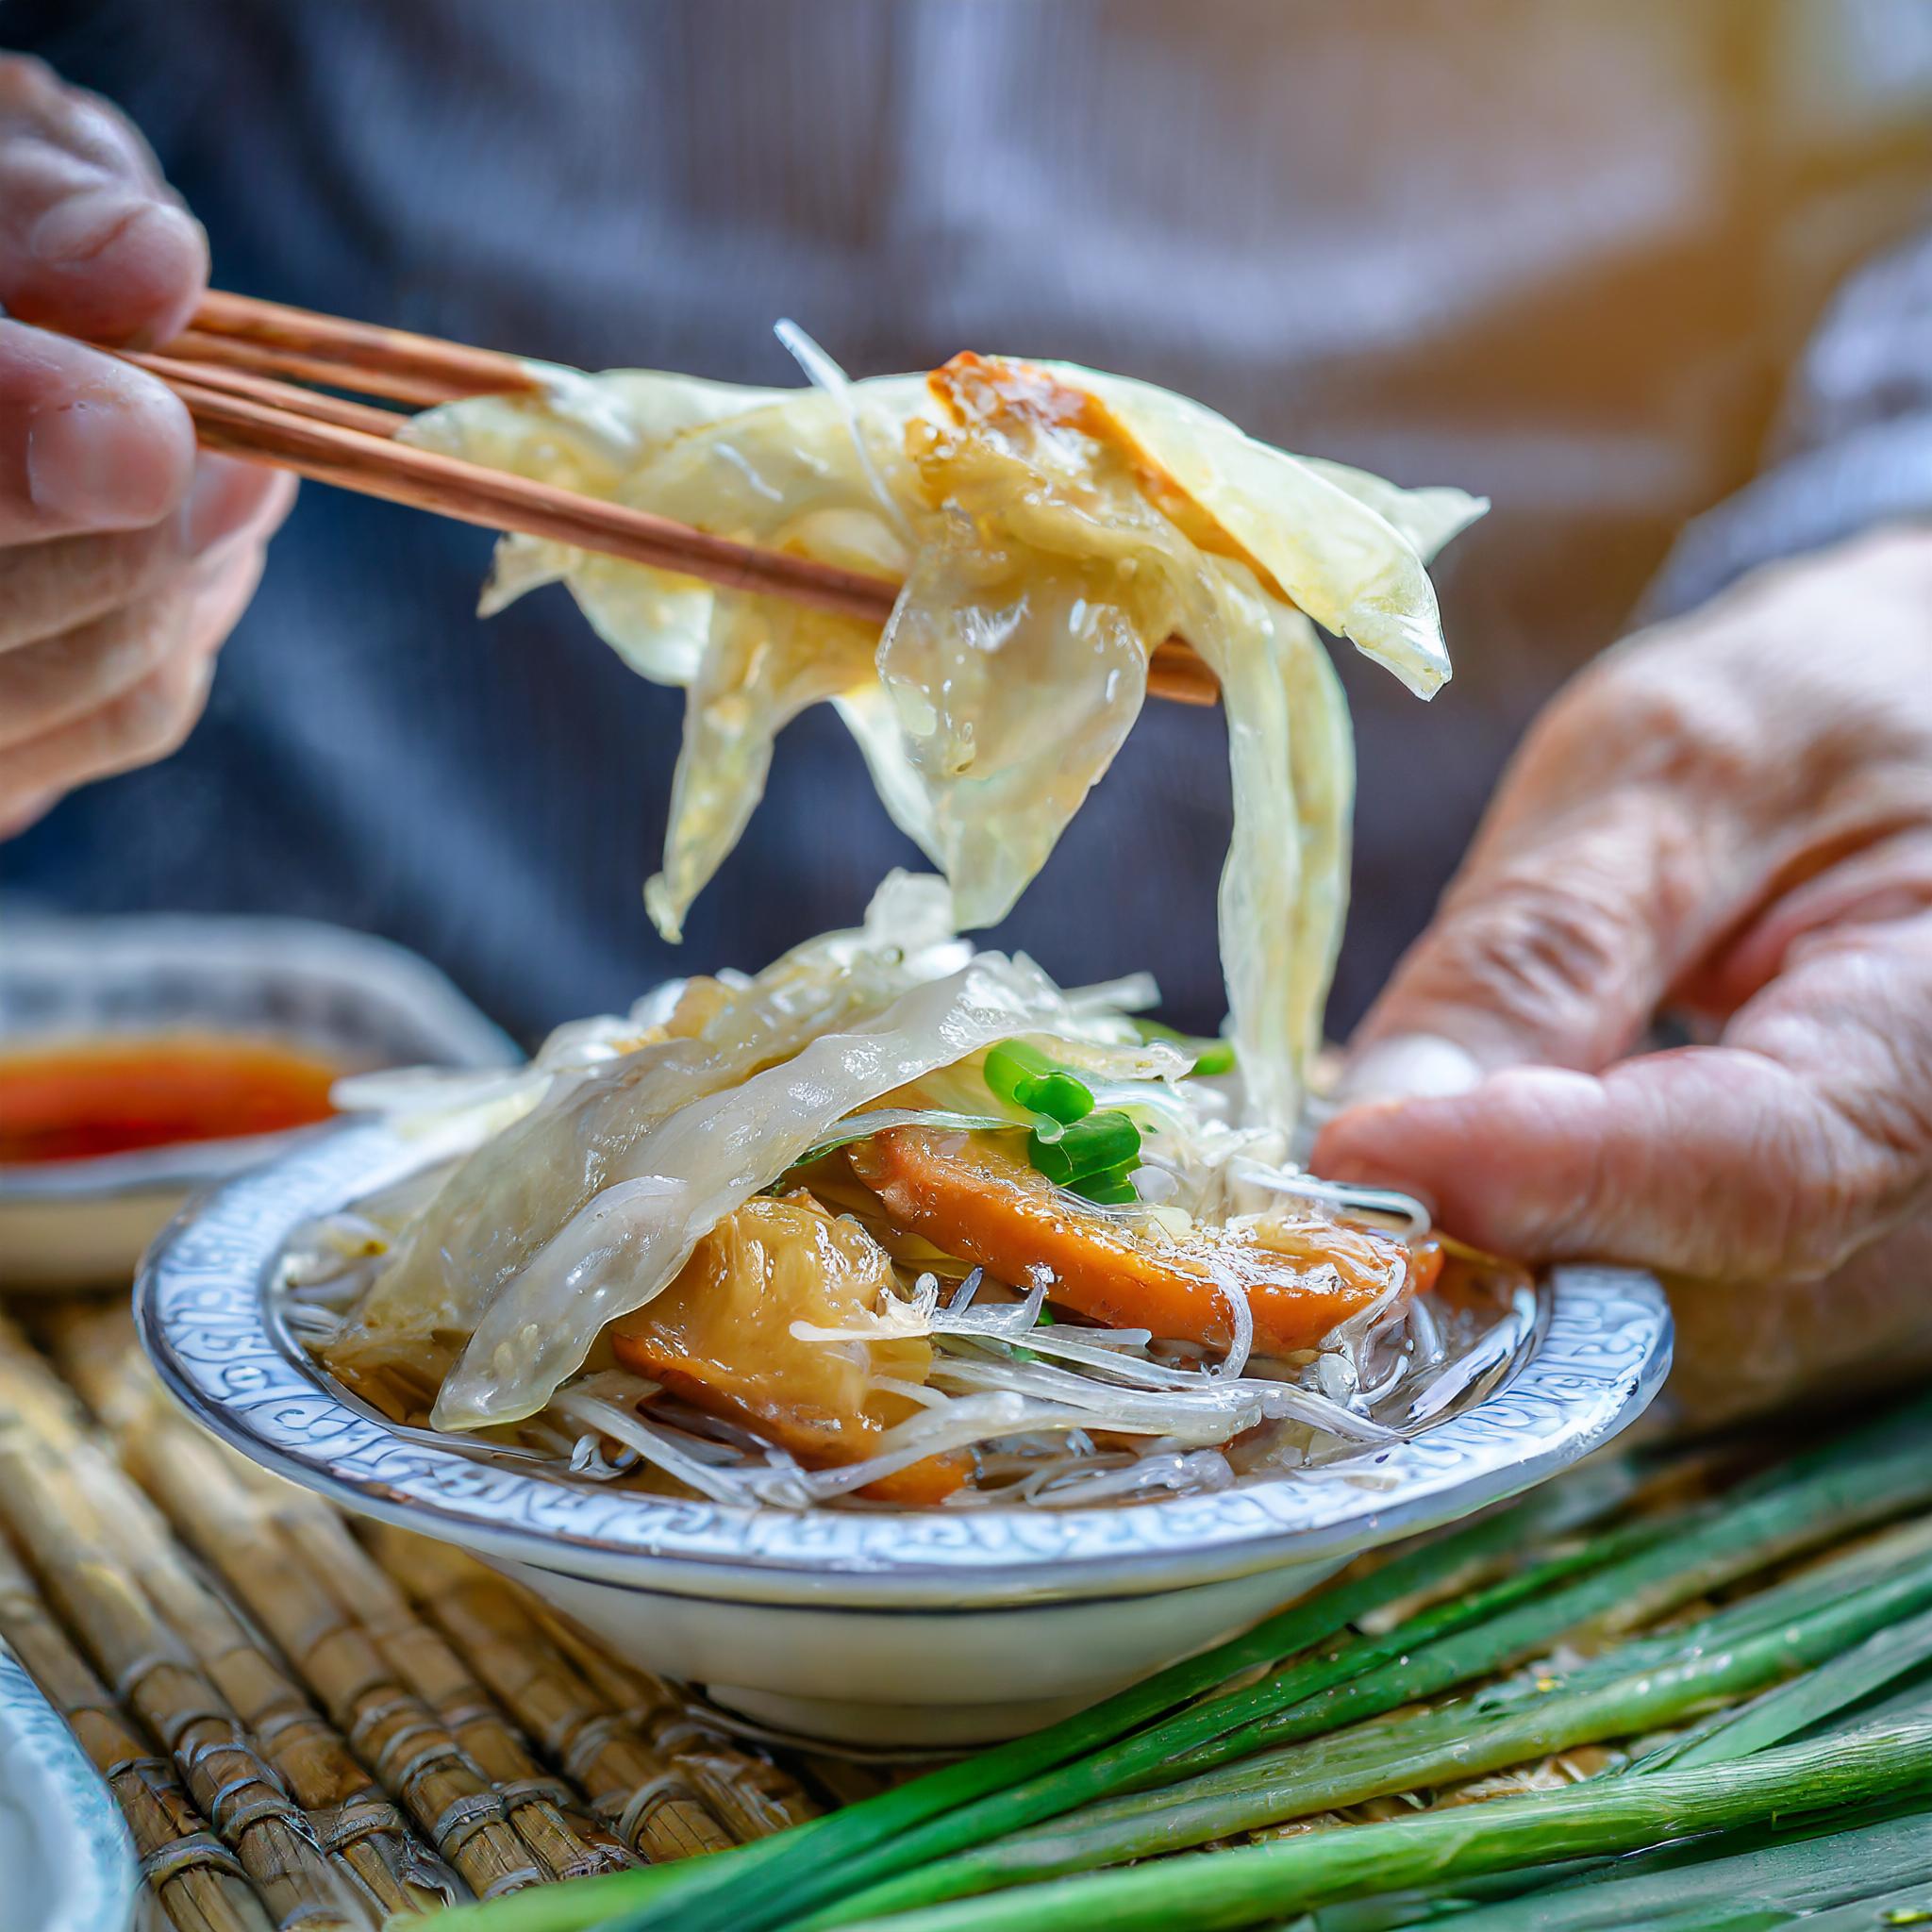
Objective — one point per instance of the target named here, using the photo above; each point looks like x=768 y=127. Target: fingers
x=49 y=589
x=21 y=814
x=87 y=442
x=1605 y=865
x=124 y=561
x=1554 y=946
x=1683 y=1160
x=1744 y=1348
x=124 y=686
x=1692 y=777
x=1889 y=878
x=93 y=243
x=62 y=679
x=1772 y=1156
x=167 y=650
x=92 y=240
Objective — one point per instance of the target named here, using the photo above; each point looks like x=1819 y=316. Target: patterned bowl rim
x=89 y=1858
x=209 y=1324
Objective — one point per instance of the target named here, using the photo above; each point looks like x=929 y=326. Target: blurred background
x=1567 y=255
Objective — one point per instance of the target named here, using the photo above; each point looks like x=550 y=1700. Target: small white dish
x=876 y=1626
x=66 y=1860
x=83 y=1224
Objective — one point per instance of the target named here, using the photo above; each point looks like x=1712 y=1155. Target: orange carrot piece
x=1300 y=1275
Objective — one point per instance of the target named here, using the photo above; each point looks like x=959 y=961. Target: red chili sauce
x=76 y=1099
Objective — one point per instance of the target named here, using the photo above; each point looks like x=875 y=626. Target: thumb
x=92 y=242
x=1554 y=948
x=1772 y=1155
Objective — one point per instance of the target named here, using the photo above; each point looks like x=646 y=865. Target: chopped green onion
x=1211 y=1056
x=1110 y=1190
x=1102 y=1147
x=1024 y=1077
x=1059 y=1096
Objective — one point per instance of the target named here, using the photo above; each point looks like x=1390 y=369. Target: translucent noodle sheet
x=1051 y=526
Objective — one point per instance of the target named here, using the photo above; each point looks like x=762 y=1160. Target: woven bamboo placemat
x=313 y=1727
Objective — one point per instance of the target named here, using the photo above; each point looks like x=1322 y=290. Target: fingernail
x=80 y=226
x=226 y=494
x=1409 y=1066
x=95 y=462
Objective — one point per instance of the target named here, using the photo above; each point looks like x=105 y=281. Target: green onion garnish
x=1024 y=1076
x=1211 y=1056
x=1073 y=1145
x=1099 y=1150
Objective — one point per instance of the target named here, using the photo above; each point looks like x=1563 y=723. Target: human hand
x=1730 y=816
x=125 y=557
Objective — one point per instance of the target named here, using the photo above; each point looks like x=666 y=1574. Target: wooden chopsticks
x=243 y=367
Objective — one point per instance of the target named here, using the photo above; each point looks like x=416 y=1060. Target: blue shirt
x=1566 y=256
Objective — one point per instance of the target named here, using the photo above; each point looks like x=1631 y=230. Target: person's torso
x=1555 y=254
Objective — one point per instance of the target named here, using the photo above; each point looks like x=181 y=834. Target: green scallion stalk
x=1473 y=1899
x=1211 y=1056
x=780 y=1878
x=1783 y=1713
x=1864 y=1480
x=571 y=1907
x=1790 y=1877
x=1616 y=1696
x=1910 y=1904
x=1233 y=1889
x=1858 y=1479
x=1143 y=1756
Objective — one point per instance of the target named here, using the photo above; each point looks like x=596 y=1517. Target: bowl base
x=857 y=1678
x=895 y=1727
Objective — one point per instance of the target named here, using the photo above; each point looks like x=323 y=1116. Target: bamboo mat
x=309 y=1726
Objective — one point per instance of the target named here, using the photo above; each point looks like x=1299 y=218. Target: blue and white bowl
x=350 y=997
x=66 y=1859
x=864 y=1626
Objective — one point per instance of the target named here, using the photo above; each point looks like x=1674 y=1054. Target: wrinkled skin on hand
x=1728 y=817
x=125 y=556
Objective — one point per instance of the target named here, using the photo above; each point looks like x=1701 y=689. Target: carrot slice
x=1300 y=1273
x=720 y=1338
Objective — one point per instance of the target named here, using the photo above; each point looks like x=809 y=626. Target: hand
x=1730 y=816
x=126 y=558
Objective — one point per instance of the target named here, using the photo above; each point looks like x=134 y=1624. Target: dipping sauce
x=78 y=1099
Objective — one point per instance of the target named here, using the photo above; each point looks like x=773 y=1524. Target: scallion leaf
x=1103 y=1146
x=1211 y=1056
x=1024 y=1076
